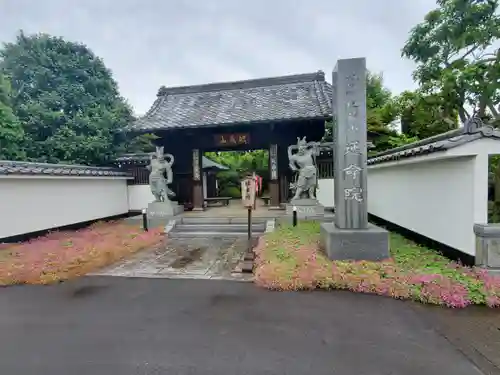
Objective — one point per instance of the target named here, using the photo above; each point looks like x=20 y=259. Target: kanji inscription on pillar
x=196 y=165
x=273 y=156
x=350 y=144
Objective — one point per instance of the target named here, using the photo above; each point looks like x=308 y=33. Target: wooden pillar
x=274 y=187
x=197 y=182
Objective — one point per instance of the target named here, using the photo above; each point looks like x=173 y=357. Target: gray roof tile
x=8 y=167
x=473 y=129
x=302 y=96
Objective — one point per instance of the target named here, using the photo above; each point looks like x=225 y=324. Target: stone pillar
x=197 y=182
x=350 y=144
x=488 y=247
x=205 y=184
x=274 y=187
x=351 y=236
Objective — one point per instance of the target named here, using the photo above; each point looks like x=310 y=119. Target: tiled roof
x=8 y=167
x=207 y=163
x=143 y=158
x=294 y=97
x=473 y=129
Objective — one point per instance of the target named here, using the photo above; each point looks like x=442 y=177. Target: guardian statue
x=160 y=175
x=304 y=163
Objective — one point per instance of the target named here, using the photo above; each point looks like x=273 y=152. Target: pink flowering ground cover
x=291 y=259
x=61 y=256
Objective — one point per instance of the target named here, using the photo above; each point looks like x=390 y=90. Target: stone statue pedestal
x=161 y=212
x=371 y=243
x=306 y=208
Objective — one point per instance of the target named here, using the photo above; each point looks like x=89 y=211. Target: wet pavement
x=191 y=258
x=474 y=331
x=132 y=326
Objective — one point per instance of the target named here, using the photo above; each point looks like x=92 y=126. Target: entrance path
x=122 y=326
x=236 y=209
x=192 y=258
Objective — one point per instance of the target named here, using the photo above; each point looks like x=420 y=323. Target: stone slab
x=160 y=213
x=355 y=244
x=305 y=208
x=164 y=209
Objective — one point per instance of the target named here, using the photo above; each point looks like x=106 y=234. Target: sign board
x=248 y=192
x=196 y=165
x=232 y=139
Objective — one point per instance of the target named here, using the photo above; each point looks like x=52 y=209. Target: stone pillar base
x=305 y=208
x=159 y=213
x=355 y=244
x=488 y=247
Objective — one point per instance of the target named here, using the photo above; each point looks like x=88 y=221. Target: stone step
x=219 y=228
x=174 y=234
x=221 y=220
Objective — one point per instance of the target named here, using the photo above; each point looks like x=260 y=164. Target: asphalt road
x=119 y=326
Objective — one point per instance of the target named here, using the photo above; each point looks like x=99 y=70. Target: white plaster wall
x=325 y=192
x=433 y=198
x=439 y=195
x=139 y=196
x=33 y=203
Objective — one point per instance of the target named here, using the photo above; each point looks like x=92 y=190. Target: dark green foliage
x=382 y=110
x=457 y=56
x=240 y=164
x=11 y=131
x=66 y=100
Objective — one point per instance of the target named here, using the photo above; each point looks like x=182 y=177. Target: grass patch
x=60 y=256
x=290 y=259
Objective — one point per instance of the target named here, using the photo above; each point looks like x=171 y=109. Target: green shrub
x=230 y=191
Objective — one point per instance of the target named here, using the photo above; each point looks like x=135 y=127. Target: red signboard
x=232 y=139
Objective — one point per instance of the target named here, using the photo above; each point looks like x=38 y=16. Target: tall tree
x=455 y=55
x=11 y=131
x=66 y=100
x=425 y=115
x=381 y=112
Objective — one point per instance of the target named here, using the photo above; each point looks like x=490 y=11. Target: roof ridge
x=48 y=165
x=243 y=84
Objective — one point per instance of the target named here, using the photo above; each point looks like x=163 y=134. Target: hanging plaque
x=227 y=140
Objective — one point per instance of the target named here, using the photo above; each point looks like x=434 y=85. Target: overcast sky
x=149 y=43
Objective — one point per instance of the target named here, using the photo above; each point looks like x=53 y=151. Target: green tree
x=424 y=115
x=453 y=49
x=66 y=100
x=140 y=143
x=11 y=131
x=381 y=111
x=240 y=163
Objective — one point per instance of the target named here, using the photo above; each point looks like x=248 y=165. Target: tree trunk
x=463 y=116
x=493 y=110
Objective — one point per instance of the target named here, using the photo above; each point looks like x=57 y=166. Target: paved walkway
x=186 y=258
x=120 y=326
x=236 y=209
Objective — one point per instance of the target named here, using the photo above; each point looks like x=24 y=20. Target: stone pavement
x=131 y=326
x=192 y=258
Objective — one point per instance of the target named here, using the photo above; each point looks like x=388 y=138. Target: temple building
x=266 y=113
